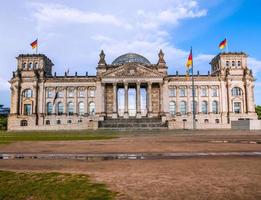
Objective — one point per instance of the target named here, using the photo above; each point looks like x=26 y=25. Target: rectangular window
x=214 y=92
x=92 y=93
x=49 y=94
x=71 y=93
x=204 y=92
x=27 y=109
x=172 y=92
x=59 y=94
x=195 y=92
x=237 y=107
x=81 y=93
x=182 y=92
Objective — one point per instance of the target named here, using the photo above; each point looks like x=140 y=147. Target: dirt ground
x=216 y=141
x=230 y=178
x=215 y=178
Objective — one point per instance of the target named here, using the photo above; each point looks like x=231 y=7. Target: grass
x=7 y=137
x=41 y=186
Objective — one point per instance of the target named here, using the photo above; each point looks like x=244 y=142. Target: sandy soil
x=234 y=141
x=219 y=178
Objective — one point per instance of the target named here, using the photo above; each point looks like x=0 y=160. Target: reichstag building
x=131 y=92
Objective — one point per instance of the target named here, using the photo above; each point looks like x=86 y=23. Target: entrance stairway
x=132 y=123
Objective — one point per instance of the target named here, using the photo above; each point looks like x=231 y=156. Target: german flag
x=34 y=44
x=223 y=44
x=189 y=61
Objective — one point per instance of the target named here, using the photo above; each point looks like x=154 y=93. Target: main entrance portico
x=129 y=99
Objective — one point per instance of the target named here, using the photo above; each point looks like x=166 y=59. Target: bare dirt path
x=218 y=178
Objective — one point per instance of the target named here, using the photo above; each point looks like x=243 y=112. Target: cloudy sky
x=72 y=32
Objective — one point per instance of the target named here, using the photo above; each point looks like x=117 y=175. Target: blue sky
x=72 y=32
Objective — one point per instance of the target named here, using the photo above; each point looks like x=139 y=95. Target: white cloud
x=4 y=85
x=254 y=64
x=57 y=13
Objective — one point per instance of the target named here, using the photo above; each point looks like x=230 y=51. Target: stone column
x=114 y=114
x=138 y=109
x=149 y=99
x=126 y=113
x=161 y=99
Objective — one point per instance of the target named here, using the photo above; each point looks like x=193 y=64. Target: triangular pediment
x=132 y=70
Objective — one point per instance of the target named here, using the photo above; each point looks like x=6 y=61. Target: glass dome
x=130 y=58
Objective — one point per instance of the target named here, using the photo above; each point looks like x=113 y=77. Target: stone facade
x=130 y=87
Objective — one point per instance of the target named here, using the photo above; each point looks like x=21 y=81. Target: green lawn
x=41 y=186
x=7 y=137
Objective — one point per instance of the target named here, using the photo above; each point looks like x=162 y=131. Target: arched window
x=183 y=107
x=196 y=110
x=30 y=66
x=204 y=107
x=28 y=93
x=172 y=108
x=92 y=108
x=49 y=108
x=215 y=107
x=24 y=65
x=70 y=108
x=23 y=123
x=60 y=108
x=36 y=65
x=233 y=63
x=239 y=63
x=236 y=91
x=227 y=63
x=81 y=108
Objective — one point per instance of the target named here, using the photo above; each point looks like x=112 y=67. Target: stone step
x=132 y=123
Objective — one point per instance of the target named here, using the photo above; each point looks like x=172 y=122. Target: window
x=204 y=107
x=183 y=107
x=23 y=123
x=49 y=108
x=28 y=93
x=92 y=93
x=217 y=121
x=60 y=94
x=92 y=108
x=60 y=108
x=36 y=65
x=233 y=63
x=215 y=107
x=30 y=66
x=80 y=121
x=214 y=92
x=81 y=93
x=195 y=92
x=237 y=107
x=69 y=121
x=195 y=106
x=205 y=120
x=81 y=108
x=71 y=93
x=58 y=121
x=236 y=91
x=204 y=92
x=172 y=92
x=238 y=63
x=47 y=122
x=70 y=108
x=182 y=91
x=227 y=63
x=27 y=109
x=49 y=94
x=172 y=108
x=24 y=65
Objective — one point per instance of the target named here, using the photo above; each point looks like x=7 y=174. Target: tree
x=258 y=111
x=3 y=122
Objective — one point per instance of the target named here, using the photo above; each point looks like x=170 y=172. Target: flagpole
x=193 y=95
x=227 y=44
x=36 y=46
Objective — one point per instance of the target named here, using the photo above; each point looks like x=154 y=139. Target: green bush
x=258 y=111
x=3 y=123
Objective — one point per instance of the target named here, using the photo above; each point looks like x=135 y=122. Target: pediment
x=132 y=70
